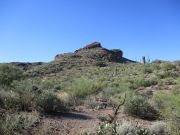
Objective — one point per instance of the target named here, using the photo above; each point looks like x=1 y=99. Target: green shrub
x=22 y=85
x=66 y=98
x=25 y=96
x=139 y=82
x=27 y=86
x=174 y=117
x=177 y=63
x=167 y=74
x=174 y=123
x=107 y=129
x=161 y=100
x=50 y=103
x=159 y=128
x=169 y=81
x=83 y=87
x=126 y=128
x=84 y=133
x=50 y=84
x=131 y=129
x=168 y=66
x=9 y=73
x=169 y=106
x=139 y=106
x=156 y=66
x=27 y=93
x=122 y=129
x=136 y=83
x=26 y=101
x=167 y=103
x=147 y=69
x=18 y=123
x=16 y=101
x=149 y=82
x=9 y=100
x=45 y=129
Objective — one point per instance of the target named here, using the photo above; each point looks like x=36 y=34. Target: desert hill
x=92 y=55
x=91 y=87
x=94 y=52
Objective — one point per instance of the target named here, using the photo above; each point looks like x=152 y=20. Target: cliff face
x=94 y=52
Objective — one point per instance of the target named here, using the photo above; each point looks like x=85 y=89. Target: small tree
x=140 y=107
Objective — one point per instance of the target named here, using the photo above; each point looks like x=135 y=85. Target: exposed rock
x=117 y=53
x=92 y=55
x=93 y=45
x=59 y=57
x=95 y=53
x=100 y=64
x=62 y=57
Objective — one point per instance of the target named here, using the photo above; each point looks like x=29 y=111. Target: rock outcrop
x=92 y=55
x=94 y=52
x=59 y=57
x=93 y=45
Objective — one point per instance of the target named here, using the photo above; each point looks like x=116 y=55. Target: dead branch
x=113 y=117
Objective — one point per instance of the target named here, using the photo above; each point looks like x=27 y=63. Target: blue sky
x=37 y=30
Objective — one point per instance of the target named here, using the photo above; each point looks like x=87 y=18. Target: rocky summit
x=95 y=52
x=92 y=55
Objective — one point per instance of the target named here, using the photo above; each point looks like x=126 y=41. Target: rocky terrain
x=94 y=52
x=94 y=91
x=92 y=55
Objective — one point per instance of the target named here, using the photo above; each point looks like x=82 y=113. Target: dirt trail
x=84 y=120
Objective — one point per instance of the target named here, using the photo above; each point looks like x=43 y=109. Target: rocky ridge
x=95 y=52
x=92 y=55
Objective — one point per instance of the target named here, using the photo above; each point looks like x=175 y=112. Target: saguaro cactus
x=144 y=59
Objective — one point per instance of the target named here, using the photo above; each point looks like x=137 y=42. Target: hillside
x=92 y=55
x=90 y=91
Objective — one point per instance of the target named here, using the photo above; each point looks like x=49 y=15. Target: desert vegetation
x=30 y=97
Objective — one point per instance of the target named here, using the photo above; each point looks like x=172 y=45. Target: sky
x=37 y=30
